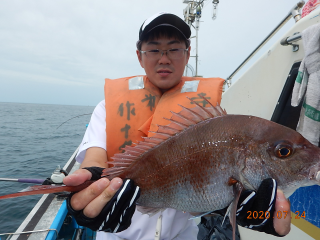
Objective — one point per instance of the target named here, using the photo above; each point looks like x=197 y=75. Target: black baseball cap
x=164 y=19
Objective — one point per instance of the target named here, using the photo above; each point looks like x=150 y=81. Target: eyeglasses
x=156 y=54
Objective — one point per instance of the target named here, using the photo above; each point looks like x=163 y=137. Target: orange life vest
x=134 y=106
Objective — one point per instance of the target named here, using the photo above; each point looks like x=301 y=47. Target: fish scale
x=172 y=180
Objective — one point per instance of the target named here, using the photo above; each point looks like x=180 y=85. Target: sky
x=60 y=52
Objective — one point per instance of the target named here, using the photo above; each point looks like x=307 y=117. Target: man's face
x=164 y=73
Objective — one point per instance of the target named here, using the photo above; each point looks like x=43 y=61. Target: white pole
x=197 y=29
x=198 y=16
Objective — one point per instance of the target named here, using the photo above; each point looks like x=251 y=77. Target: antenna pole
x=197 y=32
x=192 y=13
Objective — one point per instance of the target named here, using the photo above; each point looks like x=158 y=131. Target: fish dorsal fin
x=187 y=117
x=178 y=122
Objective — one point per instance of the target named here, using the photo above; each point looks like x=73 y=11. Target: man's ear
x=188 y=54
x=140 y=58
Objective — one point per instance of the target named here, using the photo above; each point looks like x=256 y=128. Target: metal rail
x=289 y=40
x=34 y=231
x=294 y=12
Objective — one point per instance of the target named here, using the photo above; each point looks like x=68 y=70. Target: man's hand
x=92 y=199
x=258 y=210
x=104 y=205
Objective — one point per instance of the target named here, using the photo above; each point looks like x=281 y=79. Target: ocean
x=32 y=144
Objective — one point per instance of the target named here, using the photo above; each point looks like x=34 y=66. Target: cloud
x=79 y=43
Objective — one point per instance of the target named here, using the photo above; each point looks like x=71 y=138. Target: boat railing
x=290 y=41
x=9 y=235
x=294 y=12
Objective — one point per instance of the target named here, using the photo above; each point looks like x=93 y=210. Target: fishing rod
x=73 y=118
x=57 y=177
x=24 y=180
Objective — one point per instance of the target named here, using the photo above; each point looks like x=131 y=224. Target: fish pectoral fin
x=232 y=209
x=149 y=210
x=226 y=214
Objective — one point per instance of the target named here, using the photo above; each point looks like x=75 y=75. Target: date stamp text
x=278 y=214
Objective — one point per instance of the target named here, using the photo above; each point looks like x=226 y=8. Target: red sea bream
x=188 y=164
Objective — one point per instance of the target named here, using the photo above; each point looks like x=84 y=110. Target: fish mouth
x=314 y=173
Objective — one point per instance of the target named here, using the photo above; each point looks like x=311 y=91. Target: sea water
x=32 y=143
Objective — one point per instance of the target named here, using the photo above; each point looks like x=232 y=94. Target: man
x=163 y=50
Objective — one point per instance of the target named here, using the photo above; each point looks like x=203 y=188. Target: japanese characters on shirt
x=130 y=110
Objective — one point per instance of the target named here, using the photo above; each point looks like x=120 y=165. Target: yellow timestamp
x=278 y=214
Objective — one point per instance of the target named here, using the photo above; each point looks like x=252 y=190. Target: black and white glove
x=116 y=214
x=256 y=209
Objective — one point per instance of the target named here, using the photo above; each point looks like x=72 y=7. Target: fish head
x=283 y=154
x=294 y=164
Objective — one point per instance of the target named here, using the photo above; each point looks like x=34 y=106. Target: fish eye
x=283 y=150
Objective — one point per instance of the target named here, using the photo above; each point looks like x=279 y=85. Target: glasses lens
x=153 y=54
x=175 y=53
